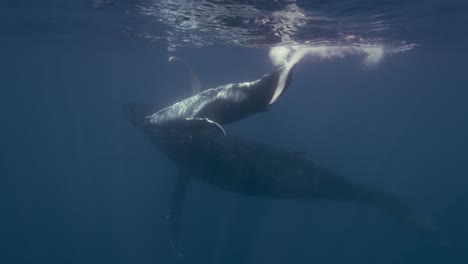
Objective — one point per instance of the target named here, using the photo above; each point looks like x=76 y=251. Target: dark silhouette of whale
x=203 y=151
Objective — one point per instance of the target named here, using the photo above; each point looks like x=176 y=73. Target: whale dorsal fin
x=175 y=208
x=195 y=80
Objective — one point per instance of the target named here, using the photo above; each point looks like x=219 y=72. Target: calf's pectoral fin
x=284 y=77
x=195 y=80
x=193 y=125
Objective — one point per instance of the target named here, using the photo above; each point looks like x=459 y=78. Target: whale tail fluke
x=401 y=209
x=337 y=187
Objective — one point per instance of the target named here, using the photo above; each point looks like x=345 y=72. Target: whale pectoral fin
x=205 y=123
x=193 y=125
x=284 y=79
x=175 y=209
x=195 y=80
x=284 y=75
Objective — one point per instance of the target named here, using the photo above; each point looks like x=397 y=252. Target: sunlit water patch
x=322 y=29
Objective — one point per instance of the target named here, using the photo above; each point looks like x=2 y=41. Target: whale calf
x=202 y=150
x=227 y=103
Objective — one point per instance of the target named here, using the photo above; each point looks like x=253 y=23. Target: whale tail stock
x=399 y=208
x=333 y=186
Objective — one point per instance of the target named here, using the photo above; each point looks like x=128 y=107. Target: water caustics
x=322 y=29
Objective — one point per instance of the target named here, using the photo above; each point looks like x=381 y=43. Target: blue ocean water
x=79 y=184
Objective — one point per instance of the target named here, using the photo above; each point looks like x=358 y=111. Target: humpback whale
x=227 y=103
x=202 y=150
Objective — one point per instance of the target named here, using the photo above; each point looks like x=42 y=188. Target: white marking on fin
x=217 y=125
x=209 y=122
x=296 y=57
x=196 y=83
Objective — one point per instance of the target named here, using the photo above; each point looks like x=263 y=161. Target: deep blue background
x=79 y=184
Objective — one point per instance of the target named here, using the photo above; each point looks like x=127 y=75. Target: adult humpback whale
x=203 y=151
